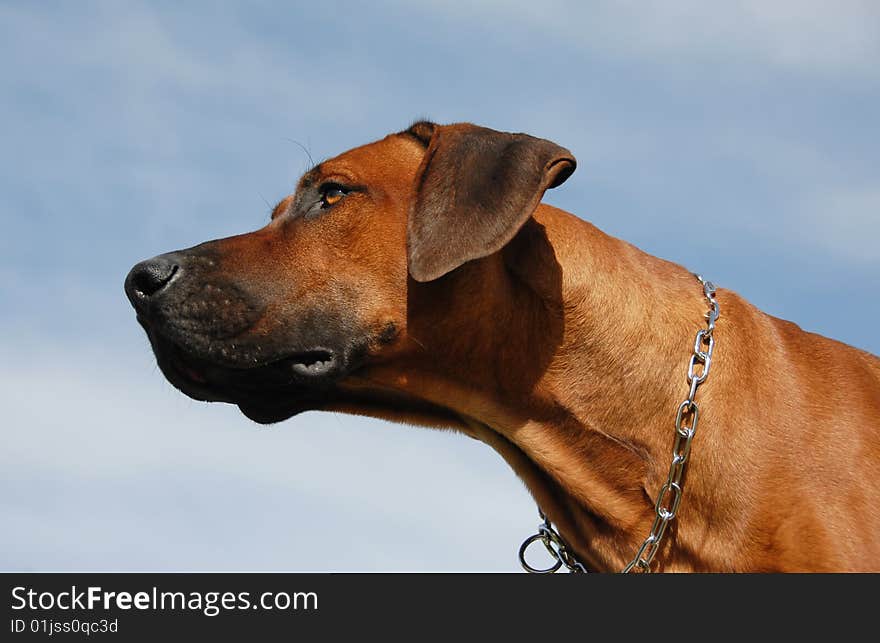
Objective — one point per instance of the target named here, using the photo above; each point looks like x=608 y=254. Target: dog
x=420 y=279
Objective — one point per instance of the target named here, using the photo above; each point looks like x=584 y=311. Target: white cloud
x=804 y=36
x=118 y=95
x=105 y=467
x=825 y=209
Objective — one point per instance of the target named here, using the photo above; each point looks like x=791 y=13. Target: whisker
x=304 y=149
x=425 y=348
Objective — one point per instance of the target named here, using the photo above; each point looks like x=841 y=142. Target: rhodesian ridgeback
x=420 y=279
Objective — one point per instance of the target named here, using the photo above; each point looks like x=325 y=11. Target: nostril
x=152 y=278
x=149 y=277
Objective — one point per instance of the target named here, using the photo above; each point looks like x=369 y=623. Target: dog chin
x=189 y=383
x=257 y=410
x=267 y=415
x=281 y=404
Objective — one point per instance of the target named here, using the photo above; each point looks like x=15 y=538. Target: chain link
x=669 y=497
x=555 y=546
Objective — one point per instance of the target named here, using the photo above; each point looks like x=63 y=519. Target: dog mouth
x=265 y=392
x=293 y=369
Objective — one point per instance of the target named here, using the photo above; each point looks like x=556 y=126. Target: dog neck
x=572 y=374
x=599 y=428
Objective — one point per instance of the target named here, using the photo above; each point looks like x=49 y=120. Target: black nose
x=149 y=277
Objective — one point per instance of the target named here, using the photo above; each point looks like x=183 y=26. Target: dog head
x=276 y=320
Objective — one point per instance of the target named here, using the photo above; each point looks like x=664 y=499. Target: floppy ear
x=474 y=190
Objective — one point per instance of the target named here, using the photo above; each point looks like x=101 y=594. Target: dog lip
x=189 y=379
x=190 y=372
x=315 y=362
x=266 y=391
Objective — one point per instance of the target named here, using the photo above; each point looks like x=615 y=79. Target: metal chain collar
x=669 y=497
x=556 y=547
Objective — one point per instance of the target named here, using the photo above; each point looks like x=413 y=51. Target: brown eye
x=331 y=194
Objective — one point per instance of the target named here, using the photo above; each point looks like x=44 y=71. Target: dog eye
x=331 y=194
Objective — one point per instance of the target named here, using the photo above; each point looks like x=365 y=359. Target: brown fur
x=566 y=352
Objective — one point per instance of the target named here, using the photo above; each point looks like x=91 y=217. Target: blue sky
x=739 y=140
